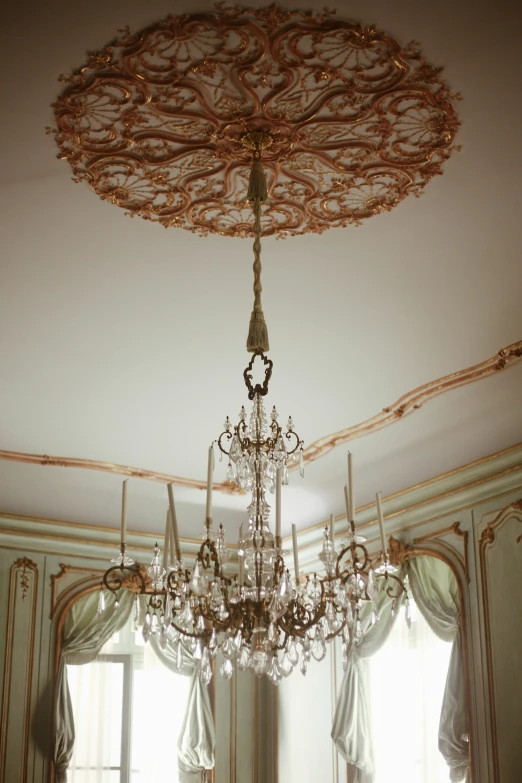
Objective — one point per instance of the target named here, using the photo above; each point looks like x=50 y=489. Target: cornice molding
x=406 y=405
x=412 y=509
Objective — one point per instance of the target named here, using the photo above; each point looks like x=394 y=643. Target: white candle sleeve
x=172 y=548
x=174 y=521
x=296 y=554
x=347 y=502
x=124 y=511
x=278 y=502
x=381 y=522
x=166 y=544
x=350 y=488
x=210 y=472
x=241 y=561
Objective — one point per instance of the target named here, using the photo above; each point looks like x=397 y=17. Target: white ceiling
x=123 y=342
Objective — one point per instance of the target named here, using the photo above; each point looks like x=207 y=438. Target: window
x=122 y=734
x=406 y=684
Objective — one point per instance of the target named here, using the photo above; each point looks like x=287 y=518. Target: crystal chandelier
x=259 y=619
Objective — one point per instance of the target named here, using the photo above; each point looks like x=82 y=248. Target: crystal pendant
x=172 y=634
x=301 y=462
x=154 y=625
x=136 y=613
x=231 y=472
x=198 y=652
x=163 y=637
x=303 y=666
x=145 y=632
x=238 y=640
x=213 y=644
x=222 y=613
x=272 y=634
x=318 y=645
x=226 y=669
x=407 y=612
x=284 y=476
x=228 y=648
x=196 y=580
x=243 y=660
x=234 y=452
x=101 y=603
x=259 y=662
x=286 y=665
x=358 y=632
x=274 y=672
x=293 y=655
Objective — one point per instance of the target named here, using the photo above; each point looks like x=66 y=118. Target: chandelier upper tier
x=259 y=619
x=154 y=122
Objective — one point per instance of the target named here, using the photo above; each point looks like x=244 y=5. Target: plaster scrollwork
x=154 y=121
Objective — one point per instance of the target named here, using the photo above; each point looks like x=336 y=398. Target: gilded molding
x=404 y=406
x=155 y=121
x=58 y=596
x=445 y=546
x=27 y=570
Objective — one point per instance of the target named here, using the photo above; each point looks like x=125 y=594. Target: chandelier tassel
x=257 y=339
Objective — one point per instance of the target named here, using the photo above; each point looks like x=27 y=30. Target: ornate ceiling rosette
x=155 y=121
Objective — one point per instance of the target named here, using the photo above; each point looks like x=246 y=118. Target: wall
x=473 y=517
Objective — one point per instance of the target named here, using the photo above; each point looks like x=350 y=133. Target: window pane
x=406 y=682
x=97 y=696
x=154 y=744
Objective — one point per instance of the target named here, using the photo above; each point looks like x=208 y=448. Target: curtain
x=351 y=732
x=197 y=739
x=84 y=634
x=434 y=588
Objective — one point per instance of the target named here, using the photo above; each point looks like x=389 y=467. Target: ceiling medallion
x=155 y=121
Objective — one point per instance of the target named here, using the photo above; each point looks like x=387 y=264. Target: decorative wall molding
x=403 y=407
x=460 y=550
x=16 y=710
x=488 y=540
x=154 y=122
x=68 y=580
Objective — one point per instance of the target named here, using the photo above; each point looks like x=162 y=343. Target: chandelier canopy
x=260 y=618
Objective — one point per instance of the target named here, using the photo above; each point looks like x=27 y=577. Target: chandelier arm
x=115 y=583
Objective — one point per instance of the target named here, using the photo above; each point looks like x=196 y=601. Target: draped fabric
x=351 y=732
x=197 y=739
x=434 y=588
x=84 y=634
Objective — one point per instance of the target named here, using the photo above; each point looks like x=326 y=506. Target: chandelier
x=261 y=618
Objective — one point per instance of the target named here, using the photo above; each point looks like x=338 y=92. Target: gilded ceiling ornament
x=154 y=122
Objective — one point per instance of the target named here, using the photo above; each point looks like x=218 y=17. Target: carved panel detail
x=18 y=671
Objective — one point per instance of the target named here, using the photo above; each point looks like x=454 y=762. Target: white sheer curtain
x=159 y=699
x=405 y=687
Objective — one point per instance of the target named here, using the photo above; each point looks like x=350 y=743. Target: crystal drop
x=220 y=455
x=293 y=654
x=227 y=669
x=301 y=463
x=349 y=615
x=231 y=472
x=172 y=633
x=245 y=477
x=186 y=617
x=101 y=603
x=393 y=607
x=374 y=617
x=284 y=477
x=290 y=424
x=407 y=612
x=286 y=666
x=145 y=632
x=274 y=414
x=212 y=645
x=318 y=644
x=222 y=613
x=196 y=581
x=179 y=657
x=345 y=655
x=259 y=662
x=303 y=666
x=358 y=631
x=235 y=449
x=346 y=632
x=205 y=674
x=228 y=648
x=227 y=425
x=274 y=672
x=163 y=637
x=244 y=658
x=198 y=652
x=116 y=604
x=147 y=618
x=136 y=611
x=154 y=625
x=272 y=633
x=238 y=640
x=280 y=449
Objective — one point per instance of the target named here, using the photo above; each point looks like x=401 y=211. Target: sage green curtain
x=197 y=739
x=351 y=732
x=84 y=634
x=435 y=590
